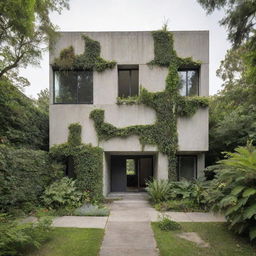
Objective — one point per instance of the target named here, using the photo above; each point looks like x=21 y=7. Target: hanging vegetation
x=167 y=104
x=89 y=60
x=88 y=162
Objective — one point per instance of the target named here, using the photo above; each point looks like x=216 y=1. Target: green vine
x=89 y=60
x=88 y=161
x=167 y=104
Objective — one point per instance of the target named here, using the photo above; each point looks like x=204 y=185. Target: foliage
x=131 y=100
x=24 y=26
x=239 y=17
x=24 y=174
x=43 y=100
x=88 y=162
x=17 y=237
x=63 y=194
x=221 y=241
x=166 y=224
x=158 y=190
x=74 y=137
x=233 y=191
x=178 y=195
x=91 y=210
x=167 y=104
x=89 y=60
x=180 y=205
x=22 y=123
x=72 y=241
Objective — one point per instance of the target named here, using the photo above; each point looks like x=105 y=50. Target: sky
x=134 y=15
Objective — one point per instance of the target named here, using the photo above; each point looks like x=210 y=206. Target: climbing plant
x=168 y=104
x=88 y=162
x=89 y=60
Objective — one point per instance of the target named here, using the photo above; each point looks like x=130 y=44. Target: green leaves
x=250 y=211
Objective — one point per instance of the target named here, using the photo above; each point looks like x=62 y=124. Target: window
x=128 y=80
x=189 y=82
x=187 y=167
x=73 y=87
x=130 y=167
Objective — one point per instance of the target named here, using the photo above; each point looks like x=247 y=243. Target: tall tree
x=239 y=18
x=24 y=27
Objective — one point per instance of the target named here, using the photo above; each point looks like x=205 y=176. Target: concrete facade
x=132 y=48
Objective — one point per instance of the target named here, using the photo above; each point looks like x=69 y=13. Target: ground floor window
x=187 y=167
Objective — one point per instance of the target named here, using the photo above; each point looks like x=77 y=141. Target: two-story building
x=75 y=93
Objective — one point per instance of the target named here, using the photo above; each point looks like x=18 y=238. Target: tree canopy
x=24 y=27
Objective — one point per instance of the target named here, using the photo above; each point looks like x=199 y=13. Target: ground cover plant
x=71 y=241
x=17 y=237
x=178 y=196
x=221 y=240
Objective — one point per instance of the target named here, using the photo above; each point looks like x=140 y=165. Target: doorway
x=130 y=173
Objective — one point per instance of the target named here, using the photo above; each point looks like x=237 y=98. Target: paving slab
x=80 y=222
x=128 y=231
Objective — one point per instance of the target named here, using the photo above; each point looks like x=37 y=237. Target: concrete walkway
x=128 y=230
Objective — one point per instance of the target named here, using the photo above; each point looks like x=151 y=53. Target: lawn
x=71 y=241
x=222 y=241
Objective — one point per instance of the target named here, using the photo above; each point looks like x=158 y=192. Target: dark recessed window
x=187 y=167
x=73 y=87
x=128 y=80
x=189 y=82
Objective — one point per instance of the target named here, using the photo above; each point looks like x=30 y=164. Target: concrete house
x=126 y=165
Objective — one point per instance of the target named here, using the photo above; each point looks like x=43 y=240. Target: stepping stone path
x=128 y=230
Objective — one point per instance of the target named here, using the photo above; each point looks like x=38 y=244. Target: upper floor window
x=189 y=82
x=128 y=80
x=73 y=87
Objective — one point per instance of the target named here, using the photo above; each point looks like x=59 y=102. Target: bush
x=24 y=175
x=16 y=238
x=91 y=210
x=166 y=224
x=63 y=194
x=233 y=191
x=158 y=190
x=181 y=205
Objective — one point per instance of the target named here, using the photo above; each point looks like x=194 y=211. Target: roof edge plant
x=89 y=60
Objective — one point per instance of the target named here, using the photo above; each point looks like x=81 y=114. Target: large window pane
x=187 y=167
x=73 y=87
x=85 y=87
x=192 y=82
x=189 y=82
x=128 y=80
x=183 y=82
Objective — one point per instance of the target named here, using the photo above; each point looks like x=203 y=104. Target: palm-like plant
x=233 y=192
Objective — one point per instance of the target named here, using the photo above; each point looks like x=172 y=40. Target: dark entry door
x=145 y=171
x=118 y=174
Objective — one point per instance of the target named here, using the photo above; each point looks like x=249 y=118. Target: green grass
x=71 y=241
x=222 y=241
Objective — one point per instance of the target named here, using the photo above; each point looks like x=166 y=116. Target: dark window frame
x=195 y=174
x=74 y=103
x=127 y=68
x=198 y=77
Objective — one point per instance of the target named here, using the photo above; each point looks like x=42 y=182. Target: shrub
x=181 y=205
x=16 y=237
x=166 y=224
x=24 y=175
x=233 y=191
x=158 y=190
x=63 y=194
x=91 y=210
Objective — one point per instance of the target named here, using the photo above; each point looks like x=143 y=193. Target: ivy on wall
x=89 y=60
x=88 y=162
x=167 y=104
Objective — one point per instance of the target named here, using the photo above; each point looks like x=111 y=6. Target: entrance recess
x=130 y=173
